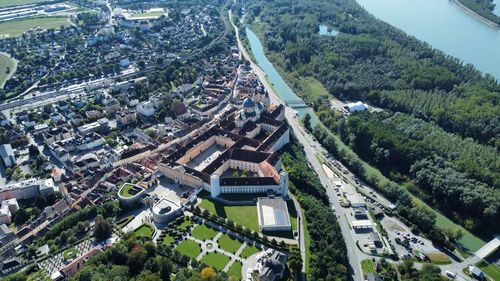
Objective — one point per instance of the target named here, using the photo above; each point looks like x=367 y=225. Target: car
x=333 y=209
x=450 y=274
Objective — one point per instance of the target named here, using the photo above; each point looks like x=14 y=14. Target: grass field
x=228 y=244
x=148 y=14
x=438 y=258
x=248 y=251
x=293 y=213
x=69 y=253
x=367 y=266
x=7 y=3
x=168 y=240
x=243 y=215
x=216 y=260
x=312 y=88
x=492 y=270
x=5 y=62
x=14 y=28
x=307 y=240
x=144 y=230
x=235 y=270
x=203 y=232
x=189 y=248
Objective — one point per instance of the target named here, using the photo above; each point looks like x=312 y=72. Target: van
x=450 y=274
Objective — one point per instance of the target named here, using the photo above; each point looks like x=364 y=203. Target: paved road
x=354 y=255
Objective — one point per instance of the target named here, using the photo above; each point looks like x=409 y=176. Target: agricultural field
x=7 y=3
x=6 y=64
x=14 y=28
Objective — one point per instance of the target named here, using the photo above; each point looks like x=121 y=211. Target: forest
x=328 y=260
x=370 y=60
x=443 y=144
x=453 y=173
x=483 y=8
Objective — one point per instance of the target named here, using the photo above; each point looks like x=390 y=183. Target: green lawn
x=203 y=232
x=216 y=260
x=148 y=14
x=492 y=270
x=168 y=240
x=5 y=63
x=125 y=191
x=248 y=251
x=367 y=266
x=189 y=248
x=145 y=230
x=307 y=240
x=242 y=215
x=186 y=224
x=312 y=88
x=6 y=3
x=15 y=28
x=69 y=253
x=438 y=258
x=293 y=213
x=235 y=270
x=227 y=243
x=123 y=222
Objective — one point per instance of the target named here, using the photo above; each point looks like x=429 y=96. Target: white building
x=273 y=214
x=146 y=108
x=356 y=106
x=8 y=157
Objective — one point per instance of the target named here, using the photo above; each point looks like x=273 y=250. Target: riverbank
x=476 y=15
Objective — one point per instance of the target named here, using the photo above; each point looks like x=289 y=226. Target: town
x=148 y=135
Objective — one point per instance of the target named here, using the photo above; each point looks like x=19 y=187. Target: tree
x=102 y=228
x=307 y=122
x=208 y=273
x=33 y=151
x=295 y=260
x=21 y=216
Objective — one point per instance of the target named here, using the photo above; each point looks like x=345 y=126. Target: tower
x=284 y=184
x=214 y=185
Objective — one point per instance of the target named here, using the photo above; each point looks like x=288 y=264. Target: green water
x=446 y=26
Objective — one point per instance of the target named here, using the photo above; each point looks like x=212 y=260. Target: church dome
x=248 y=102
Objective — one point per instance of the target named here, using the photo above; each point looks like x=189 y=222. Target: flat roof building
x=7 y=154
x=273 y=214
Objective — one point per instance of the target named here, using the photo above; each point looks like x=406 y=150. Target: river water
x=274 y=78
x=445 y=26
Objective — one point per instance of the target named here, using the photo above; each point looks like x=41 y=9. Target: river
x=274 y=78
x=445 y=26
x=286 y=94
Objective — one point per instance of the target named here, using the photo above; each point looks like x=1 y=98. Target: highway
x=354 y=255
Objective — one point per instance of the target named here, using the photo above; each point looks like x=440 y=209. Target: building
x=147 y=108
x=6 y=235
x=165 y=211
x=8 y=157
x=26 y=189
x=356 y=106
x=56 y=134
x=129 y=195
x=101 y=125
x=273 y=214
x=477 y=273
x=356 y=200
x=76 y=265
x=229 y=159
x=376 y=240
x=125 y=118
x=271 y=265
x=360 y=214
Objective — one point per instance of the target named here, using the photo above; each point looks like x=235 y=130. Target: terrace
x=129 y=190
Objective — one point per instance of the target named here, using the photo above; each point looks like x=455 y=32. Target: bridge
x=298 y=103
x=489 y=248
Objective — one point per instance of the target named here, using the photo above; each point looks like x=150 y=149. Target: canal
x=445 y=26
